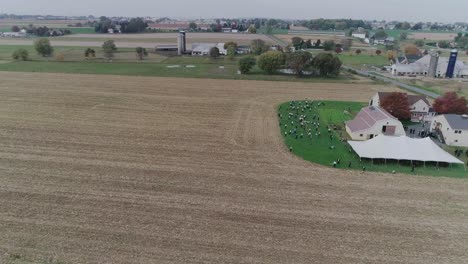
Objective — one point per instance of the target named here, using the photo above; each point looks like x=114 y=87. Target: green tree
x=444 y=44
x=214 y=52
x=135 y=25
x=297 y=42
x=90 y=53
x=193 y=26
x=141 y=53
x=109 y=49
x=403 y=36
x=381 y=34
x=329 y=45
x=20 y=54
x=419 y=42
x=299 y=61
x=327 y=64
x=258 y=46
x=15 y=29
x=43 y=47
x=252 y=30
x=271 y=61
x=246 y=64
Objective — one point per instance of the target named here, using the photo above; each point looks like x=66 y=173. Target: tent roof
x=402 y=148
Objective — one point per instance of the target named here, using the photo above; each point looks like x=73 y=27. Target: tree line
x=335 y=24
x=134 y=25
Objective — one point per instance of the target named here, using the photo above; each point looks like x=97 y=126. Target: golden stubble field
x=111 y=169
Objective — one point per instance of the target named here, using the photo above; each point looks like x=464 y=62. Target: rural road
x=397 y=83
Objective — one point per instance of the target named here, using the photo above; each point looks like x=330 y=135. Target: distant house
x=243 y=49
x=203 y=49
x=383 y=41
x=421 y=109
x=227 y=30
x=372 y=121
x=359 y=35
x=451 y=129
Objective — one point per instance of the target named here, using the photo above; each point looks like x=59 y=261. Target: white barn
x=451 y=129
x=421 y=68
x=372 y=121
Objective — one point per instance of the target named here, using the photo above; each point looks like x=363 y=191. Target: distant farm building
x=432 y=66
x=203 y=49
x=372 y=121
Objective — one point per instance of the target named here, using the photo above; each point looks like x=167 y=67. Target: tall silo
x=434 y=62
x=451 y=64
x=181 y=43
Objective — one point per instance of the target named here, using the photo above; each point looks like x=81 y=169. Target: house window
x=361 y=135
x=456 y=141
x=424 y=108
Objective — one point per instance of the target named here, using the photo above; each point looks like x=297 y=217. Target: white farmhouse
x=372 y=121
x=420 y=108
x=451 y=129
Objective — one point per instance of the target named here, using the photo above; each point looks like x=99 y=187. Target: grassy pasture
x=327 y=147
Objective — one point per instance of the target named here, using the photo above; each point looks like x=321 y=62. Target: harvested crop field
x=433 y=36
x=114 y=169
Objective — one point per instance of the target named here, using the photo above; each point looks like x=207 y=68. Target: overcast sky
x=410 y=10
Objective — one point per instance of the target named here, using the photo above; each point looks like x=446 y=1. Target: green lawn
x=126 y=63
x=324 y=150
x=361 y=59
x=206 y=70
x=274 y=31
x=81 y=30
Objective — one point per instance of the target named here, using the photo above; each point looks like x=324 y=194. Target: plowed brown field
x=110 y=169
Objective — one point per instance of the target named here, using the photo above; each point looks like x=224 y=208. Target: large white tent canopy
x=402 y=148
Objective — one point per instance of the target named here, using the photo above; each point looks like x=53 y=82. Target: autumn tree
x=358 y=51
x=391 y=55
x=229 y=44
x=411 y=49
x=451 y=103
x=397 y=105
x=90 y=53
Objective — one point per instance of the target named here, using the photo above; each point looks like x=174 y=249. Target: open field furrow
x=115 y=169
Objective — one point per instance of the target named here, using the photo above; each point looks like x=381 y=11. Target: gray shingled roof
x=457 y=121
